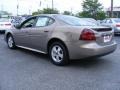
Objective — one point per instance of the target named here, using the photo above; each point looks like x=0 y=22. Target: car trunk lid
x=104 y=35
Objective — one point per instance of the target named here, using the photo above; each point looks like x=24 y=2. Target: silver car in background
x=114 y=23
x=63 y=37
x=5 y=23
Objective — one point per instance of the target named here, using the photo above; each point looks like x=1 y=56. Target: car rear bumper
x=5 y=28
x=90 y=50
x=2 y=30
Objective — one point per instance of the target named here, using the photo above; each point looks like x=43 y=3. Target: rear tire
x=10 y=42
x=58 y=54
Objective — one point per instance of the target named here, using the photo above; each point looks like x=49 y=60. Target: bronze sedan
x=63 y=37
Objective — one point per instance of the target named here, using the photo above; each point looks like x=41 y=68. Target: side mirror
x=18 y=26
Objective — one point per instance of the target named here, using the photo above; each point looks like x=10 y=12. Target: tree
x=101 y=15
x=50 y=11
x=37 y=12
x=67 y=13
x=46 y=11
x=92 y=9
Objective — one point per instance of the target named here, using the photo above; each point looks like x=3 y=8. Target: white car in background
x=114 y=23
x=5 y=24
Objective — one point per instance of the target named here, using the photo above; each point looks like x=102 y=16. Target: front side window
x=29 y=23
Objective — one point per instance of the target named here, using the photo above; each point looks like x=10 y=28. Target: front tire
x=10 y=42
x=58 y=54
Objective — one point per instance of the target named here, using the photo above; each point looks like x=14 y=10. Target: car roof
x=49 y=15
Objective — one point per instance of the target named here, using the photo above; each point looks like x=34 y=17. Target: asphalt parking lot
x=25 y=70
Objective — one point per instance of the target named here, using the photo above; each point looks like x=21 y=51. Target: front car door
x=22 y=37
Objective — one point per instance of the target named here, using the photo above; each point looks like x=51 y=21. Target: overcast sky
x=28 y=6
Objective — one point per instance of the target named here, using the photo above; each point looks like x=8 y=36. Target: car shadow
x=90 y=62
x=82 y=63
x=35 y=54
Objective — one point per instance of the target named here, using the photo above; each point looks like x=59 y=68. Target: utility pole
x=52 y=4
x=111 y=9
x=40 y=4
x=29 y=10
x=17 y=7
x=2 y=7
x=71 y=10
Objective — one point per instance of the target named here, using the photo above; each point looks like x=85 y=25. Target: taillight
x=117 y=25
x=88 y=35
x=7 y=24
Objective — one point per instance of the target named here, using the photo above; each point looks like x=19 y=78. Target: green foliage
x=50 y=11
x=92 y=9
x=67 y=13
x=46 y=11
x=101 y=15
x=37 y=12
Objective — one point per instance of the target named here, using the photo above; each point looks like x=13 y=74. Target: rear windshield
x=75 y=21
x=4 y=20
x=117 y=20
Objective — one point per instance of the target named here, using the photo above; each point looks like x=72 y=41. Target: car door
x=22 y=37
x=39 y=34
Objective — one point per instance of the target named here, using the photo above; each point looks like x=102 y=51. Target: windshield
x=117 y=20
x=4 y=20
x=75 y=21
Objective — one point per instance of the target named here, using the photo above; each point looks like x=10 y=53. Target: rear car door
x=39 y=34
x=22 y=37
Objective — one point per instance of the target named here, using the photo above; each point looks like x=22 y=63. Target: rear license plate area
x=107 y=38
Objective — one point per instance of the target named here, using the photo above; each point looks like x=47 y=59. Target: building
x=116 y=12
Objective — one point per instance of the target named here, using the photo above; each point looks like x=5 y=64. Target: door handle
x=46 y=31
x=26 y=31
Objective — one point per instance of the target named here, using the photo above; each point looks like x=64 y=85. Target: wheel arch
x=7 y=35
x=56 y=40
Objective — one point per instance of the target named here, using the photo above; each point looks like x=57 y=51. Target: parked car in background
x=16 y=20
x=99 y=22
x=114 y=23
x=5 y=24
x=63 y=37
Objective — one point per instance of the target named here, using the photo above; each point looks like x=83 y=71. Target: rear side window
x=44 y=21
x=75 y=21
